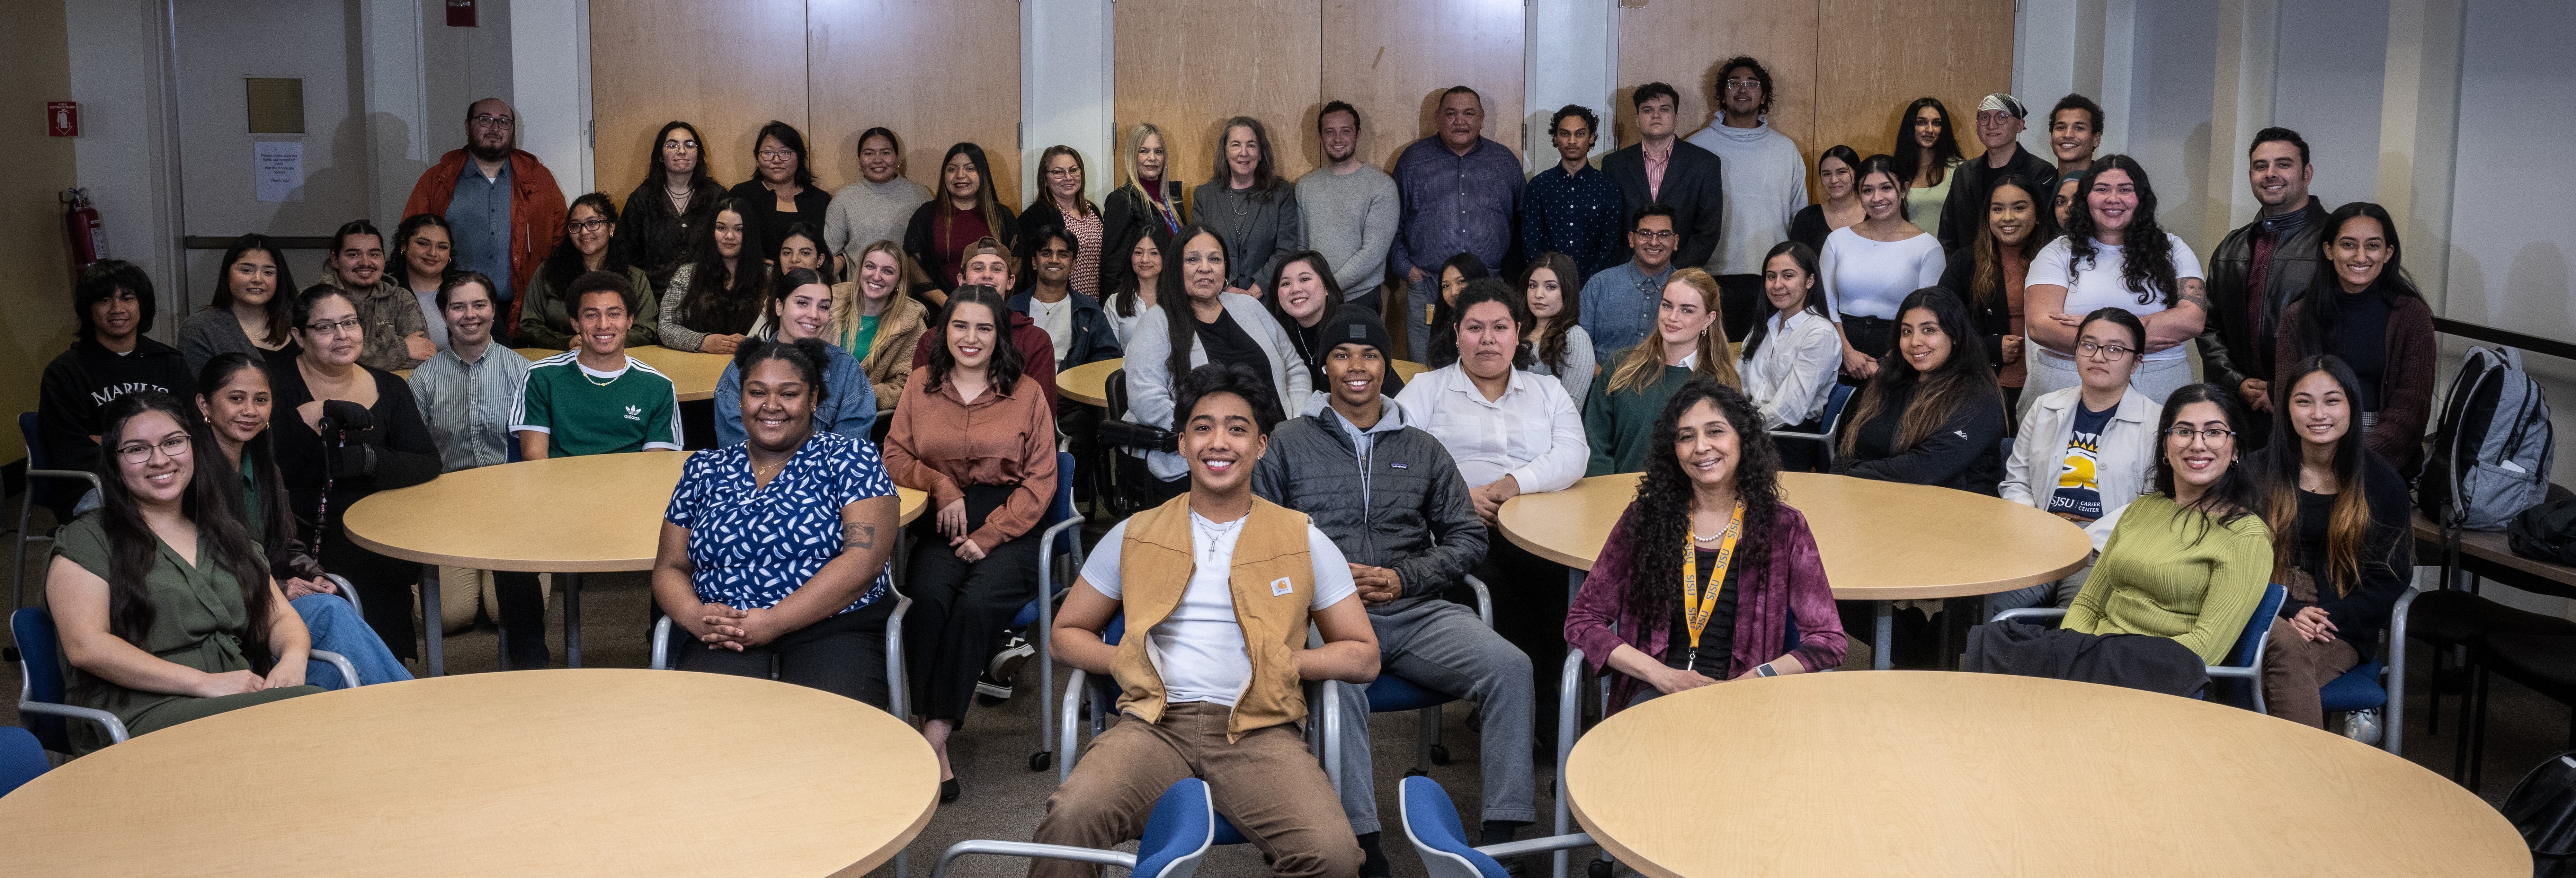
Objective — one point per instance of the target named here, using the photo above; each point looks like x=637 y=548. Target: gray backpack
x=2489 y=459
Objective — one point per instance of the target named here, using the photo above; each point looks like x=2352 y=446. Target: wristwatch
x=1765 y=670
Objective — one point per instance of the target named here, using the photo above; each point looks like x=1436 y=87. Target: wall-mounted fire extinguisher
x=89 y=235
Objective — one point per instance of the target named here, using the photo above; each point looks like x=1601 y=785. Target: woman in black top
x=1303 y=295
x=1454 y=275
x=2340 y=536
x=1932 y=415
x=376 y=441
x=1838 y=174
x=781 y=190
x=668 y=212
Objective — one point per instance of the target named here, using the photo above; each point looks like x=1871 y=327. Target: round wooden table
x=564 y=515
x=1880 y=541
x=1089 y=383
x=693 y=375
x=561 y=772
x=1983 y=774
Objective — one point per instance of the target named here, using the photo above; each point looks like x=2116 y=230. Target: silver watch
x=1765 y=670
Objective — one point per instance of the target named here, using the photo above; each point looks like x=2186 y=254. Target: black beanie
x=1355 y=325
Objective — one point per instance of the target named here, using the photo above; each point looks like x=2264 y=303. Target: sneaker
x=1004 y=668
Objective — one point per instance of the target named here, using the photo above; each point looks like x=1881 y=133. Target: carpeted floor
x=1004 y=799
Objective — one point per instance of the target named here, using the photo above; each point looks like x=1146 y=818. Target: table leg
x=1884 y=638
x=432 y=622
x=572 y=619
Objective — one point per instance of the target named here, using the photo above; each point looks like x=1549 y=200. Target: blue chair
x=2377 y=682
x=1061 y=532
x=1177 y=836
x=1431 y=822
x=21 y=758
x=661 y=658
x=2244 y=661
x=41 y=682
x=38 y=470
x=1394 y=694
x=1835 y=402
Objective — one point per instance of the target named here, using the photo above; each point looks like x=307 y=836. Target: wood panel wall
x=1393 y=58
x=934 y=73
x=1187 y=65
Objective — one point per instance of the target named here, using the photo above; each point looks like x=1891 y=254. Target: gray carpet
x=1004 y=799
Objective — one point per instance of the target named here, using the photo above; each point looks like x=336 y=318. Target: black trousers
x=523 y=619
x=1740 y=295
x=385 y=585
x=959 y=609
x=1529 y=611
x=843 y=655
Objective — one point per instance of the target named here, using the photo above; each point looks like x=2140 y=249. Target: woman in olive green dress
x=164 y=604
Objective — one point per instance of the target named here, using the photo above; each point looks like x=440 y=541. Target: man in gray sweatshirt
x=1766 y=186
x=1350 y=209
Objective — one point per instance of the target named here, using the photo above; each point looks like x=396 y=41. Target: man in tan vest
x=1218 y=587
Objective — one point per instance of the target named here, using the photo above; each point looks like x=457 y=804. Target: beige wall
x=36 y=323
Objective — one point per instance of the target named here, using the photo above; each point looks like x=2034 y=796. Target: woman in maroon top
x=1755 y=603
x=2368 y=312
x=964 y=209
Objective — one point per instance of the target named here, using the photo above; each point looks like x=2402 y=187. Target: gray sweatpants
x=1442 y=646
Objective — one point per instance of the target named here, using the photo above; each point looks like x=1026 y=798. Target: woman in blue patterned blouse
x=775 y=550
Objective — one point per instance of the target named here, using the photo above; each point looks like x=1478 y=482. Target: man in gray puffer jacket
x=1390 y=495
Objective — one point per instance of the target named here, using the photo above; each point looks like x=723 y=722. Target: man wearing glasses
x=1764 y=179
x=502 y=205
x=1999 y=126
x=1619 y=303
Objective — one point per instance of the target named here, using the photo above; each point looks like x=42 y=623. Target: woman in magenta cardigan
x=1749 y=598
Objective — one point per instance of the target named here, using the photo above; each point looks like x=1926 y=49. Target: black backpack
x=2489 y=459
x=2543 y=808
x=2546 y=532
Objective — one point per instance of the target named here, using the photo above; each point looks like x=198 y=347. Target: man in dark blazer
x=1680 y=174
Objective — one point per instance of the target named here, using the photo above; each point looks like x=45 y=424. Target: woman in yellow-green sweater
x=2184 y=566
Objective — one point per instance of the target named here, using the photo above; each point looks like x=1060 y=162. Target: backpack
x=2489 y=459
x=2546 y=532
x=2543 y=808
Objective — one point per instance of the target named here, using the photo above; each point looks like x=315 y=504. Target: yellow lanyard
x=1695 y=611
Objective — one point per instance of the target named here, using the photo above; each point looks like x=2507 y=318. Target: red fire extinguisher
x=89 y=235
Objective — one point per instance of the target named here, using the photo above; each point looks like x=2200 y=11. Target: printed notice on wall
x=278 y=166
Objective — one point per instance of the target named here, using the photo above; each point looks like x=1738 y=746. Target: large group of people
x=2001 y=325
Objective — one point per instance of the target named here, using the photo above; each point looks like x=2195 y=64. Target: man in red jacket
x=510 y=212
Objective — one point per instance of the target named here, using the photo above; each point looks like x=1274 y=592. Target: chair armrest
x=661 y=645
x=347 y=591
x=90 y=477
x=1484 y=599
x=895 y=700
x=1535 y=845
x=348 y=671
x=115 y=727
x=1332 y=699
x=2234 y=673
x=1068 y=729
x=2030 y=613
x=1032 y=850
x=1569 y=719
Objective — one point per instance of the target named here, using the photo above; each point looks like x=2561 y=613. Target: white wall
x=1575 y=60
x=1065 y=89
x=550 y=87
x=126 y=158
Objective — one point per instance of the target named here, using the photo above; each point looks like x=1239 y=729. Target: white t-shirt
x=2097 y=284
x=1057 y=320
x=1199 y=648
x=1872 y=278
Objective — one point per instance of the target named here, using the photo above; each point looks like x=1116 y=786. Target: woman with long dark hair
x=545 y=316
x=1870 y=266
x=1250 y=206
x=1926 y=152
x=666 y=216
x=979 y=437
x=1790 y=356
x=714 y=316
x=798 y=306
x=253 y=311
x=2368 y=313
x=1456 y=273
x=377 y=441
x=1131 y=293
x=2113 y=255
x=965 y=209
x=781 y=191
x=1838 y=178
x=2341 y=538
x=1060 y=203
x=153 y=635
x=1201 y=324
x=1552 y=290
x=1932 y=416
x=1708 y=574
x=1990 y=273
x=1689 y=343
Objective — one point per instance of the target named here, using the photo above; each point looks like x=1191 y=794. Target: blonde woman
x=1688 y=343
x=1151 y=199
x=875 y=321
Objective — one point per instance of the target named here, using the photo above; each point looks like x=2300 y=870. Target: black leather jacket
x=2233 y=348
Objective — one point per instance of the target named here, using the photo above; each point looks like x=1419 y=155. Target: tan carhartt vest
x=1273 y=582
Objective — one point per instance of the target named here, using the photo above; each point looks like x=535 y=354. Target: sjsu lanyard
x=1695 y=611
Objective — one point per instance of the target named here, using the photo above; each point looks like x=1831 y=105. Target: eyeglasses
x=488 y=120
x=2111 y=352
x=1993 y=117
x=1657 y=234
x=333 y=327
x=1062 y=173
x=589 y=225
x=680 y=144
x=2184 y=434
x=173 y=448
x=1743 y=84
x=776 y=155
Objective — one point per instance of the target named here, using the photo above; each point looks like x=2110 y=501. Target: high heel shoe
x=949 y=791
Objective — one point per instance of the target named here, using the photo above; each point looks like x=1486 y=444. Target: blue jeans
x=336 y=627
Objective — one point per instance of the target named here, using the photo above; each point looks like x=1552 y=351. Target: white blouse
x=1532 y=433
x=1792 y=374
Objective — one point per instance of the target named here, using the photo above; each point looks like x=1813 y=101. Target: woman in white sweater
x=1870 y=267
x=1195 y=323
x=1790 y=356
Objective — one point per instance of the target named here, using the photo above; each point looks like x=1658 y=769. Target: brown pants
x=2294 y=669
x=1267 y=784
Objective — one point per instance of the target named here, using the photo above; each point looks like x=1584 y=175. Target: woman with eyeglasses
x=781 y=191
x=545 y=317
x=1060 y=203
x=2085 y=451
x=343 y=431
x=667 y=214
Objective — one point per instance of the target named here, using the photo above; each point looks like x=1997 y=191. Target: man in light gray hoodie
x=1765 y=183
x=1350 y=209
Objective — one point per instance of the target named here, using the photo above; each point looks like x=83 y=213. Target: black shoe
x=949 y=791
x=995 y=682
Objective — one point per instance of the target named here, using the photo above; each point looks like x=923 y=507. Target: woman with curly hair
x=1708 y=576
x=2113 y=255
